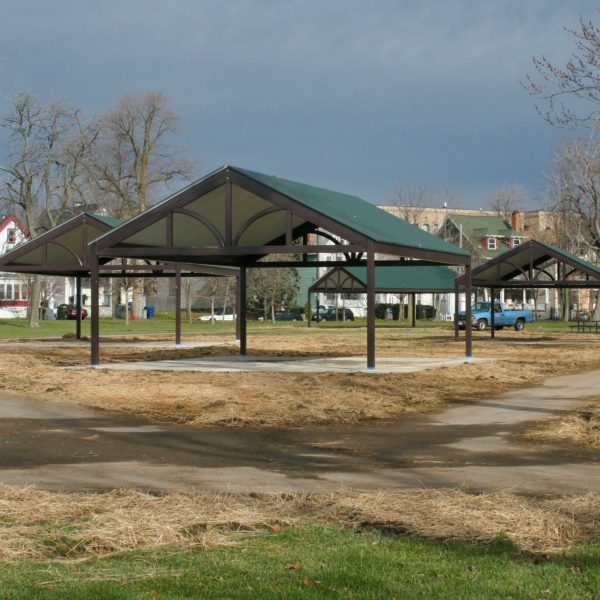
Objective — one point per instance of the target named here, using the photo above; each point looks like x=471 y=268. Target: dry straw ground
x=38 y=524
x=58 y=526
x=280 y=399
x=580 y=427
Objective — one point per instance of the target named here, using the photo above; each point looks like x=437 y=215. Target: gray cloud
x=357 y=96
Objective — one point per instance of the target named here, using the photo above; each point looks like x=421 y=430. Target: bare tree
x=412 y=201
x=575 y=187
x=42 y=167
x=575 y=181
x=576 y=83
x=508 y=199
x=133 y=159
x=272 y=289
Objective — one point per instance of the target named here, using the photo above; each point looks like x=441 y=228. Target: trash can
x=150 y=312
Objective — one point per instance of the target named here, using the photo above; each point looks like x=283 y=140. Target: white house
x=14 y=288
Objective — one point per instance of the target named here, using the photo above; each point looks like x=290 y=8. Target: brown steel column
x=95 y=325
x=370 y=307
x=468 y=327
x=78 y=307
x=456 y=307
x=492 y=314
x=243 y=311
x=237 y=308
x=178 y=305
x=413 y=299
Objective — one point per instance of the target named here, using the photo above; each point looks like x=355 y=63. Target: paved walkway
x=472 y=447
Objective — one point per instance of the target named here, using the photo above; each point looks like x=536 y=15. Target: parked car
x=219 y=316
x=69 y=311
x=286 y=315
x=343 y=314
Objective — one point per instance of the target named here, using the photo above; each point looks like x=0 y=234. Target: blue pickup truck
x=481 y=317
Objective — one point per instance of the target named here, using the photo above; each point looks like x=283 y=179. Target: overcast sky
x=357 y=96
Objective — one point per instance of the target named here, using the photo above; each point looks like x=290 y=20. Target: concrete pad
x=288 y=364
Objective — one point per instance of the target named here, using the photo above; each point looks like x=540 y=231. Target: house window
x=516 y=242
x=11 y=236
x=350 y=296
x=492 y=244
x=9 y=291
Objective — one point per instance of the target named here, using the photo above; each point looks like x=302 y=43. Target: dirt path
x=473 y=446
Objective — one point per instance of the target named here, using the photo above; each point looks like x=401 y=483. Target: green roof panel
x=408 y=278
x=356 y=214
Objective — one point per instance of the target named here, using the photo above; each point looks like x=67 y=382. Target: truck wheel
x=481 y=325
x=519 y=325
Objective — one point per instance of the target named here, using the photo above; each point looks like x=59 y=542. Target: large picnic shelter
x=235 y=217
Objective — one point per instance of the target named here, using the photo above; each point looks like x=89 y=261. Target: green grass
x=315 y=562
x=165 y=323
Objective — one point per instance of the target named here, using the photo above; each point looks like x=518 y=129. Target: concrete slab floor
x=289 y=364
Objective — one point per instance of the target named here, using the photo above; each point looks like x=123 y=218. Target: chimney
x=516 y=220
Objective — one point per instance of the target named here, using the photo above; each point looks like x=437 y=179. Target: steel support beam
x=237 y=308
x=95 y=306
x=78 y=307
x=456 y=309
x=243 y=311
x=413 y=300
x=468 y=328
x=370 y=306
x=492 y=313
x=178 y=305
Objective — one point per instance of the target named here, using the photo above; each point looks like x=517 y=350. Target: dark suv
x=69 y=311
x=343 y=314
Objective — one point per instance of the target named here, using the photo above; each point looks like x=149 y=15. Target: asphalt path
x=468 y=446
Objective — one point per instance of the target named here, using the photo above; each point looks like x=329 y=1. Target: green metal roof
x=423 y=279
x=576 y=259
x=110 y=221
x=61 y=248
x=356 y=214
x=511 y=266
x=406 y=278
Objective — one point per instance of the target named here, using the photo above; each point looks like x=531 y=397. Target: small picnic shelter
x=392 y=280
x=531 y=265
x=64 y=250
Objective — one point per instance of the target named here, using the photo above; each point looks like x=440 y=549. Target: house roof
x=534 y=264
x=476 y=227
x=234 y=213
x=493 y=225
x=388 y=279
